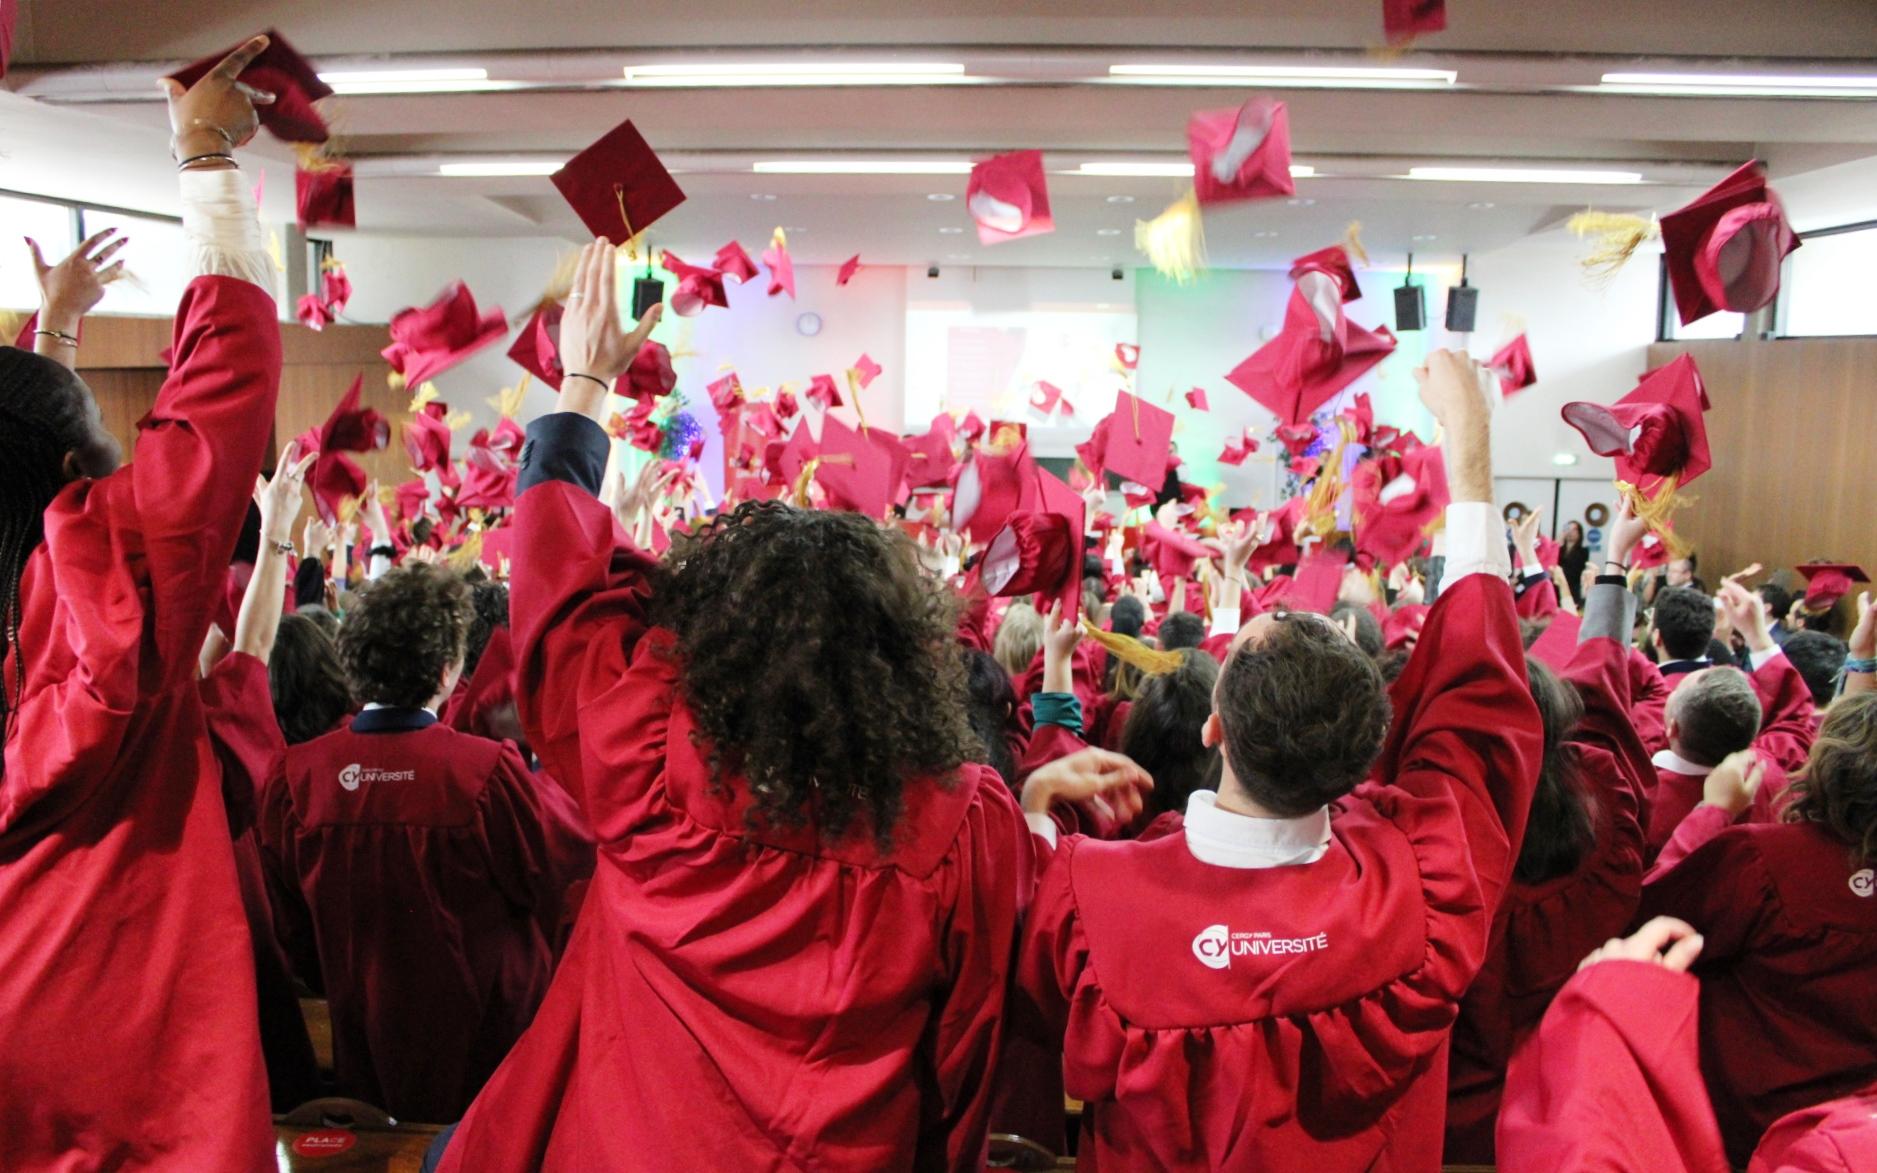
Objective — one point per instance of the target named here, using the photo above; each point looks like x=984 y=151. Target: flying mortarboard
x=1008 y=197
x=291 y=78
x=617 y=186
x=1724 y=250
x=1241 y=154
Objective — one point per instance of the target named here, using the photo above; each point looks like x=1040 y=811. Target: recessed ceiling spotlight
x=764 y=196
x=1263 y=235
x=1482 y=205
x=1422 y=236
x=795 y=228
x=941 y=197
x=1107 y=232
x=957 y=256
x=1120 y=199
x=950 y=230
x=1300 y=201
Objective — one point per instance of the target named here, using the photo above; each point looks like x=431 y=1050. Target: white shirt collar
x=368 y=706
x=1673 y=762
x=1228 y=840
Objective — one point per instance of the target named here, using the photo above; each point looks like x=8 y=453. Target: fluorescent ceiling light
x=411 y=81
x=1743 y=85
x=1338 y=77
x=484 y=168
x=1143 y=169
x=821 y=73
x=1521 y=175
x=862 y=167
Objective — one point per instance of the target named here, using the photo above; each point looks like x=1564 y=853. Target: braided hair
x=47 y=414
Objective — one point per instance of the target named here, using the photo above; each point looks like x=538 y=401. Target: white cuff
x=1225 y=620
x=1475 y=542
x=1760 y=660
x=223 y=229
x=1041 y=826
x=1529 y=569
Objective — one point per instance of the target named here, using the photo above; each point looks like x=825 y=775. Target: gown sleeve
x=536 y=842
x=1722 y=888
x=1787 y=726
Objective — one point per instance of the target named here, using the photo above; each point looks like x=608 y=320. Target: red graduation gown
x=1787 y=724
x=417 y=874
x=1676 y=795
x=735 y=998
x=126 y=977
x=1648 y=697
x=1321 y=1044
x=1788 y=1012
x=1543 y=930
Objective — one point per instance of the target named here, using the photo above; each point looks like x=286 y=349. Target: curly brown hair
x=1837 y=786
x=1304 y=713
x=402 y=632
x=819 y=661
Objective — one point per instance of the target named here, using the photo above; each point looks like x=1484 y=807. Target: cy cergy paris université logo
x=1216 y=945
x=348 y=777
x=1864 y=883
x=352 y=775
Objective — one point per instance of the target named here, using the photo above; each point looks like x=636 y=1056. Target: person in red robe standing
x=796 y=946
x=417 y=873
x=1789 y=914
x=126 y=977
x=1272 y=985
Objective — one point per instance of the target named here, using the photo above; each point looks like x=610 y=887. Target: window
x=51 y=226
x=1827 y=284
x=155 y=264
x=1670 y=329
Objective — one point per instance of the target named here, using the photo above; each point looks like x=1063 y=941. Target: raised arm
x=279 y=499
x=1860 y=668
x=1600 y=667
x=69 y=290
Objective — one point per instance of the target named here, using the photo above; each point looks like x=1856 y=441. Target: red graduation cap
x=1138 y=439
x=823 y=393
x=1394 y=502
x=1513 y=364
x=1039 y=549
x=1196 y=399
x=411 y=498
x=849 y=267
x=930 y=461
x=1656 y=431
x=1241 y=154
x=1827 y=582
x=781 y=267
x=1281 y=547
x=1048 y=397
x=1319 y=580
x=427 y=437
x=861 y=471
x=865 y=371
x=1172 y=553
x=786 y=407
x=1724 y=250
x=536 y=349
x=1333 y=262
x=486 y=487
x=1008 y=197
x=1402 y=19
x=1556 y=646
x=1236 y=451
x=617 y=186
x=1651 y=552
x=988 y=489
x=291 y=78
x=735 y=264
x=726 y=394
x=323 y=195
x=1128 y=355
x=1316 y=354
x=335 y=285
x=335 y=476
x=313 y=312
x=650 y=375
x=1403 y=625
x=697 y=287
x=784 y=460
x=429 y=340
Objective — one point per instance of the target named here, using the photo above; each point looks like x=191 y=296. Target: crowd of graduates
x=908 y=790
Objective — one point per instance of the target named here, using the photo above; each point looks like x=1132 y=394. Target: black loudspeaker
x=1462 y=304
x=1410 y=308
x=646 y=293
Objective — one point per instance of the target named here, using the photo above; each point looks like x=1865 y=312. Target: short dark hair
x=1368 y=630
x=489 y=601
x=1561 y=827
x=1127 y=616
x=1182 y=629
x=1717 y=713
x=1304 y=712
x=1165 y=728
x=1685 y=618
x=990 y=706
x=1818 y=658
x=1837 y=786
x=306 y=680
x=1778 y=600
x=403 y=632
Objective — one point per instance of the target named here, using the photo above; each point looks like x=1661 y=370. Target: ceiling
x=1522 y=69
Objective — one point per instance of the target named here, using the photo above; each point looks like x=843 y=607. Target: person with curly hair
x=796 y=947
x=417 y=873
x=1788 y=911
x=1272 y=982
x=126 y=974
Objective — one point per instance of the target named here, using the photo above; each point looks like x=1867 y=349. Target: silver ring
x=573 y=297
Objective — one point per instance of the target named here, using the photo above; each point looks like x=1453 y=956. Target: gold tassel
x=1128 y=650
x=1319 y=512
x=559 y=284
x=1655 y=509
x=507 y=401
x=317 y=156
x=1617 y=237
x=425 y=394
x=1175 y=240
x=465 y=555
x=394 y=380
x=800 y=494
x=1352 y=242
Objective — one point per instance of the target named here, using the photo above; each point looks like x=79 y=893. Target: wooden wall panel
x=1791 y=425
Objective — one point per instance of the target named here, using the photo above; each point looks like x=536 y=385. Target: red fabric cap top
x=860 y=470
x=1334 y=261
x=1724 y=249
x=1827 y=582
x=280 y=71
x=1008 y=197
x=1513 y=364
x=1316 y=354
x=1402 y=19
x=537 y=347
x=324 y=196
x=1138 y=441
x=1655 y=431
x=1241 y=154
x=428 y=340
x=617 y=186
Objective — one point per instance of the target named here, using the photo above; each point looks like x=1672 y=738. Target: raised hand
x=1732 y=784
x=279 y=498
x=595 y=348
x=1864 y=635
x=1455 y=388
x=633 y=499
x=215 y=115
x=1525 y=536
x=1626 y=531
x=1109 y=782
x=1664 y=941
x=70 y=289
x=1745 y=613
x=1060 y=636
